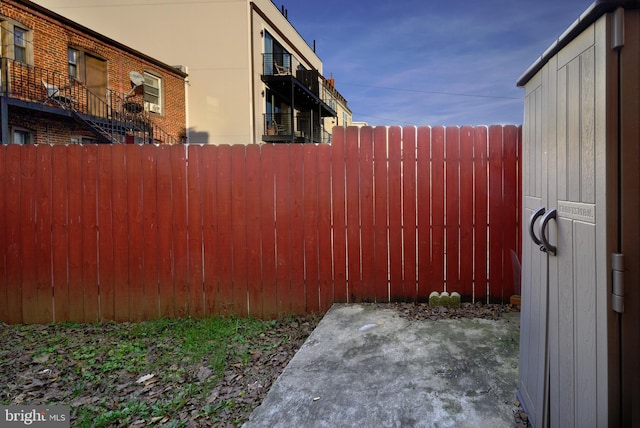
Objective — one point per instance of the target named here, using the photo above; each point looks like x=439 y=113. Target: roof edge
x=593 y=12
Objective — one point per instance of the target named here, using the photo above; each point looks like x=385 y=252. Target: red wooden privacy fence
x=128 y=232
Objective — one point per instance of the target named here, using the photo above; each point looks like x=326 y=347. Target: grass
x=95 y=368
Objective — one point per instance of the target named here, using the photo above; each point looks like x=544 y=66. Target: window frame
x=82 y=139
x=28 y=134
x=10 y=29
x=153 y=107
x=20 y=34
x=76 y=65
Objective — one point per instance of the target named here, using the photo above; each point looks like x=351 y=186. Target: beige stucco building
x=252 y=77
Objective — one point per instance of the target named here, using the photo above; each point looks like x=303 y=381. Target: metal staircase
x=97 y=127
x=113 y=118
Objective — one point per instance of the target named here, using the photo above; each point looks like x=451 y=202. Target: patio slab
x=368 y=367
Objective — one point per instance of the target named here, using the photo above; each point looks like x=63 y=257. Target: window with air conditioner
x=152 y=93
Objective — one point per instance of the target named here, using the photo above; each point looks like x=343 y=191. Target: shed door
x=564 y=350
x=578 y=273
x=532 y=386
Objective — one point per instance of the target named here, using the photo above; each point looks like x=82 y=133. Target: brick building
x=61 y=83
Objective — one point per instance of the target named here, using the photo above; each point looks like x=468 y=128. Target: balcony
x=300 y=88
x=278 y=128
x=114 y=118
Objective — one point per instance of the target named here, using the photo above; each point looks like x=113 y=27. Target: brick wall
x=52 y=38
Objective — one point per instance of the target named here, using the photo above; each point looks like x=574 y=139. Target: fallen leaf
x=145 y=378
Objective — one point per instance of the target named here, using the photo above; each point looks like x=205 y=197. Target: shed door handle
x=543 y=231
x=532 y=221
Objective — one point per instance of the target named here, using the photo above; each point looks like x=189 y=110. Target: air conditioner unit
x=155 y=108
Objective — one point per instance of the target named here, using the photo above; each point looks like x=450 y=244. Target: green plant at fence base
x=455 y=300
x=444 y=299
x=434 y=299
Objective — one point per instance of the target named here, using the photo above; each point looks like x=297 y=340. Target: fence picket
x=150 y=308
x=352 y=196
x=165 y=233
x=224 y=298
x=381 y=256
x=268 y=229
x=13 y=248
x=452 y=203
x=120 y=233
x=339 y=215
x=4 y=204
x=239 y=230
x=394 y=212
x=423 y=194
x=136 y=231
x=210 y=227
x=74 y=235
x=180 y=244
x=296 y=236
x=43 y=234
x=194 y=231
x=128 y=232
x=254 y=218
x=367 y=215
x=325 y=257
x=310 y=226
x=381 y=293
x=437 y=208
x=28 y=235
x=510 y=186
x=283 y=240
x=480 y=236
x=466 y=212
x=496 y=222
x=89 y=233
x=104 y=191
x=409 y=225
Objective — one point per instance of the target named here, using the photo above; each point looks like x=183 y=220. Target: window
x=152 y=93
x=81 y=139
x=16 y=41
x=19 y=44
x=277 y=60
x=72 y=56
x=21 y=137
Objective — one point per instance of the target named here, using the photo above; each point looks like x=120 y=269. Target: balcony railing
x=282 y=64
x=285 y=64
x=117 y=117
x=278 y=128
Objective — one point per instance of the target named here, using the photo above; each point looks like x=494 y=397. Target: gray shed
x=580 y=319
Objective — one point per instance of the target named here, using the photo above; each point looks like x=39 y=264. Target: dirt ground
x=28 y=380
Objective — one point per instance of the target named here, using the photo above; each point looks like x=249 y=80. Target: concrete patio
x=368 y=367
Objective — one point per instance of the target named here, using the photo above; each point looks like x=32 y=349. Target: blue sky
x=412 y=62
